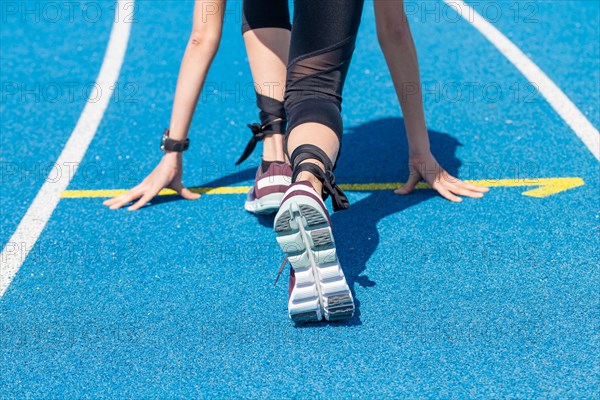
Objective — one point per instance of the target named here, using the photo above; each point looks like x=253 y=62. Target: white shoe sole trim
x=321 y=290
x=268 y=204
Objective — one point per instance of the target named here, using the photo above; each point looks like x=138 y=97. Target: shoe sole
x=320 y=290
x=266 y=205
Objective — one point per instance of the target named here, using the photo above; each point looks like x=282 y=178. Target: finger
x=462 y=191
x=123 y=199
x=126 y=198
x=116 y=199
x=474 y=188
x=144 y=200
x=185 y=192
x=445 y=193
x=113 y=200
x=409 y=185
x=462 y=188
x=188 y=194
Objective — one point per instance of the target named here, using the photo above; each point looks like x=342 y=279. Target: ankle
x=265 y=164
x=313 y=180
x=273 y=148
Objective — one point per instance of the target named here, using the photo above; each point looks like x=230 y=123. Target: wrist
x=173 y=156
x=418 y=144
x=169 y=144
x=419 y=152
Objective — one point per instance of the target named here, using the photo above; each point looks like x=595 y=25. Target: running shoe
x=318 y=288
x=269 y=187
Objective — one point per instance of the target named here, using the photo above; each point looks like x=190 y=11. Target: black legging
x=322 y=44
x=258 y=14
x=323 y=38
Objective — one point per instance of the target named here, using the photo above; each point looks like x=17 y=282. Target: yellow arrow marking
x=544 y=187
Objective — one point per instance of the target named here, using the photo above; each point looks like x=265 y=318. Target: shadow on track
x=375 y=152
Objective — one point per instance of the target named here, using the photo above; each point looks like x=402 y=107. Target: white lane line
x=31 y=226
x=552 y=93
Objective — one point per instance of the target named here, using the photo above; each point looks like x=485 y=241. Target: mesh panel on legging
x=323 y=39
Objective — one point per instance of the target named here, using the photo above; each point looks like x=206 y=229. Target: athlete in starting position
x=320 y=50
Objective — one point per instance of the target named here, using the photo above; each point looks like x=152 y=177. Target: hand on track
x=167 y=174
x=427 y=168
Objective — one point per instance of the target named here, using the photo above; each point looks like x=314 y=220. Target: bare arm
x=201 y=49
x=395 y=39
x=199 y=54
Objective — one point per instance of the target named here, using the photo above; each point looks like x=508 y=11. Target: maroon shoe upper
x=292 y=191
x=276 y=179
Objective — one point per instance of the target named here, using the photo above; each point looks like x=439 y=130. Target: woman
x=322 y=44
x=266 y=31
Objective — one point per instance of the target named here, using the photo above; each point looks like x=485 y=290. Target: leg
x=268 y=53
x=266 y=30
x=322 y=44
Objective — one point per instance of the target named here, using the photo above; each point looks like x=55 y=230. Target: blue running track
x=490 y=298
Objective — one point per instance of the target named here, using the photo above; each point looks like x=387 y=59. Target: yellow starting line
x=542 y=187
